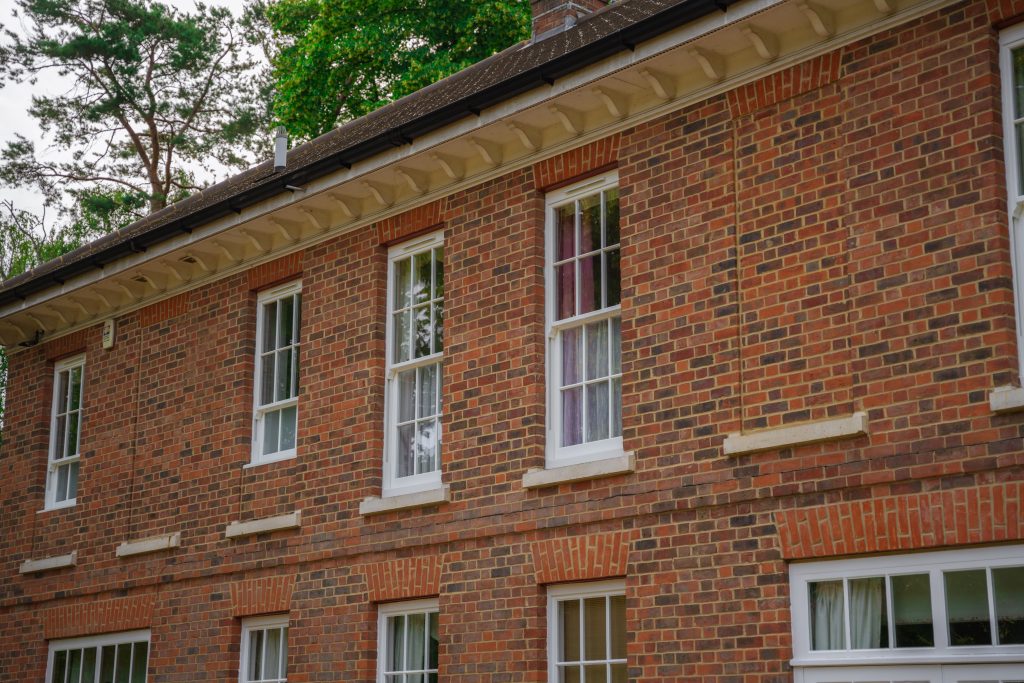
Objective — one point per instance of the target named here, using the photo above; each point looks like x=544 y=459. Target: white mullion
x=890 y=608
x=848 y=636
x=412 y=306
x=607 y=598
x=990 y=590
x=281 y=663
x=131 y=660
x=585 y=318
x=583 y=637
x=405 y=643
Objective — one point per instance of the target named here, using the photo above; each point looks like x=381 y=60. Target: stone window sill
x=606 y=467
x=374 y=505
x=797 y=435
x=293 y=520
x=152 y=544
x=49 y=563
x=1008 y=399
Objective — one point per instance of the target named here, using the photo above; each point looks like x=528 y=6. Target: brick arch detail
x=783 y=85
x=404 y=579
x=577 y=164
x=262 y=595
x=987 y=514
x=276 y=271
x=99 y=616
x=411 y=223
x=583 y=558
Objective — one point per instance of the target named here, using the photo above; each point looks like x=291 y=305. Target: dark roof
x=515 y=70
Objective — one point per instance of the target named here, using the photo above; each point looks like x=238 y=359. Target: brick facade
x=829 y=240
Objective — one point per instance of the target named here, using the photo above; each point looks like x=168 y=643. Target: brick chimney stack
x=553 y=16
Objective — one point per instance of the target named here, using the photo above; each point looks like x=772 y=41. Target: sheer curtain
x=867 y=607
x=827 y=615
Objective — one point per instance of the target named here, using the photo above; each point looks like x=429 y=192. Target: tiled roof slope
x=515 y=70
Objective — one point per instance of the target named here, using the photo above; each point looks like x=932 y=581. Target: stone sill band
x=293 y=520
x=606 y=467
x=407 y=501
x=152 y=544
x=797 y=435
x=1007 y=399
x=48 y=563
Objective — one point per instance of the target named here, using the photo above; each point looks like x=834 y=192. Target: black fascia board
x=568 y=63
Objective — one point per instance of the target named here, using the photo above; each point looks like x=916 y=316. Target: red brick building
x=676 y=344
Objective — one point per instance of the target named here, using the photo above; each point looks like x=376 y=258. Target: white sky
x=15 y=98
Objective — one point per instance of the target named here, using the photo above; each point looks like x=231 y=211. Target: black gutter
x=546 y=74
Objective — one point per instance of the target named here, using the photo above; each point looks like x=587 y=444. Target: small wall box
x=109 y=331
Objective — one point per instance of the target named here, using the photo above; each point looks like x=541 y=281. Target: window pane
x=402 y=322
x=596 y=673
x=616 y=407
x=403 y=284
x=590 y=283
x=611 y=216
x=396 y=644
x=139 y=662
x=416 y=642
x=406 y=395
x=60 y=432
x=60 y=664
x=72 y=481
x=912 y=610
x=405 y=450
x=590 y=223
x=432 y=664
x=438 y=272
x=289 y=416
x=616 y=346
x=565 y=230
x=1017 y=57
x=285 y=323
x=421 y=315
x=271 y=431
x=76 y=388
x=967 y=607
x=269 y=326
x=62 y=484
x=124 y=663
x=827 y=615
x=1008 y=589
x=74 y=665
x=565 y=290
x=107 y=660
x=62 y=391
x=572 y=416
x=283 y=387
x=1019 y=131
x=569 y=630
x=597 y=350
x=425 y=447
x=89 y=665
x=597 y=411
x=617 y=624
x=426 y=398
x=613 y=278
x=422 y=277
x=572 y=356
x=438 y=308
x=255 y=655
x=273 y=657
x=284 y=652
x=72 y=444
x=267 y=378
x=869 y=622
x=619 y=673
x=569 y=674
x=594 y=628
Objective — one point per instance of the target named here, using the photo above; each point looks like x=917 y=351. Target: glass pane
x=619 y=673
x=271 y=430
x=565 y=229
x=565 y=290
x=1019 y=130
x=72 y=480
x=611 y=216
x=74 y=665
x=60 y=664
x=402 y=284
x=396 y=643
x=434 y=640
x=285 y=323
x=139 y=662
x=255 y=655
x=869 y=622
x=1017 y=56
x=416 y=658
x=912 y=610
x=60 y=430
x=572 y=416
x=107 y=657
x=1008 y=591
x=438 y=308
x=590 y=223
x=273 y=662
x=284 y=652
x=597 y=350
x=414 y=678
x=405 y=450
x=616 y=407
x=89 y=665
x=590 y=283
x=267 y=378
x=569 y=629
x=438 y=272
x=967 y=608
x=422 y=277
x=572 y=356
x=289 y=416
x=283 y=388
x=827 y=615
x=421 y=315
x=613 y=273
x=569 y=674
x=426 y=398
x=62 y=484
x=402 y=322
x=76 y=389
x=597 y=411
x=425 y=450
x=617 y=624
x=596 y=673
x=406 y=395
x=269 y=326
x=62 y=391
x=123 y=668
x=616 y=346
x=72 y=444
x=594 y=628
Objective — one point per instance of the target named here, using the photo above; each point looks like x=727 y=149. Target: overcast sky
x=15 y=98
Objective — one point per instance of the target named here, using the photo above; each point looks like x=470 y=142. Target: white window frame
x=576 y=591
x=931 y=563
x=99 y=642
x=393 y=609
x=260 y=624
x=426 y=481
x=558 y=455
x=258 y=411
x=1009 y=40
x=52 y=463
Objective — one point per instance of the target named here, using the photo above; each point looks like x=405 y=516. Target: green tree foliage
x=336 y=60
x=156 y=95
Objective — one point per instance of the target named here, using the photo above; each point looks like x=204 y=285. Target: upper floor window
x=415 y=349
x=583 y=322
x=1012 y=68
x=408 y=642
x=587 y=632
x=276 y=415
x=959 y=605
x=115 y=657
x=65 y=433
x=264 y=650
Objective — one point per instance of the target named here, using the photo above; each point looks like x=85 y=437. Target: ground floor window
x=264 y=650
x=587 y=633
x=111 y=658
x=408 y=642
x=938 y=673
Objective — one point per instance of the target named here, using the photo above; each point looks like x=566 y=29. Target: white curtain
x=867 y=605
x=827 y=615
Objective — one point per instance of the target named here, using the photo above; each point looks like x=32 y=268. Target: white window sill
x=624 y=463
x=797 y=435
x=58 y=506
x=1008 y=399
x=149 y=545
x=293 y=520
x=406 y=501
x=270 y=459
x=49 y=563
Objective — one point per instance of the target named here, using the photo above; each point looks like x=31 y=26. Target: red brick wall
x=823 y=250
